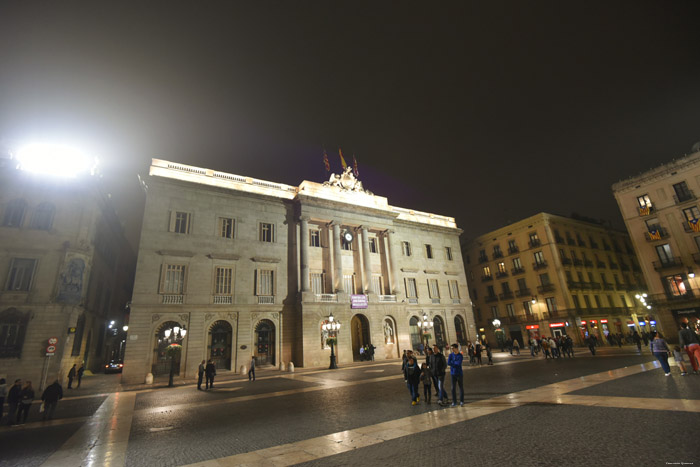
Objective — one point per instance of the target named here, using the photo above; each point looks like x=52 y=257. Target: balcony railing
x=435 y=301
x=624 y=266
x=580 y=242
x=571 y=241
x=513 y=250
x=594 y=285
x=483 y=259
x=539 y=265
x=645 y=211
x=412 y=300
x=566 y=261
x=606 y=247
x=500 y=274
x=683 y=197
x=534 y=242
x=491 y=298
x=614 y=266
x=654 y=234
x=578 y=262
x=506 y=295
x=497 y=254
x=600 y=264
x=387 y=298
x=173 y=299
x=559 y=240
x=607 y=286
x=636 y=268
x=588 y=263
x=515 y=271
x=523 y=292
x=667 y=264
x=486 y=278
x=222 y=299
x=545 y=288
x=691 y=226
x=328 y=297
x=266 y=299
x=574 y=285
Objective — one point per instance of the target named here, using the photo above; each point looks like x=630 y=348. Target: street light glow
x=55 y=159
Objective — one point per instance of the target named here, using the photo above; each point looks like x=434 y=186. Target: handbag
x=41 y=407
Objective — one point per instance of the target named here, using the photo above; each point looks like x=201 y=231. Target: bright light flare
x=55 y=159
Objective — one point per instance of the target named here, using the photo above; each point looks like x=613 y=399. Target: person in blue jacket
x=454 y=361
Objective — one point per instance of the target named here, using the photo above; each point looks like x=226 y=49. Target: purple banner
x=358 y=301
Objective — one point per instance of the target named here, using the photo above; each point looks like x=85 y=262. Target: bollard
x=291 y=367
x=244 y=369
x=149 y=378
x=282 y=368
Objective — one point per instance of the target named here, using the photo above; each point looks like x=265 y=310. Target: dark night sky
x=486 y=111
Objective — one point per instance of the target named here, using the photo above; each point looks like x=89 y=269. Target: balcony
x=581 y=243
x=412 y=300
x=607 y=286
x=506 y=295
x=513 y=249
x=497 y=254
x=266 y=299
x=501 y=274
x=222 y=300
x=594 y=245
x=523 y=292
x=544 y=288
x=387 y=298
x=539 y=265
x=606 y=247
x=578 y=262
x=614 y=266
x=483 y=259
x=566 y=261
x=588 y=263
x=435 y=301
x=668 y=263
x=683 y=197
x=570 y=241
x=559 y=240
x=173 y=299
x=645 y=211
x=491 y=298
x=594 y=285
x=330 y=297
x=624 y=266
x=636 y=268
x=691 y=226
x=573 y=285
x=486 y=278
x=534 y=242
x=515 y=271
x=600 y=264
x=655 y=233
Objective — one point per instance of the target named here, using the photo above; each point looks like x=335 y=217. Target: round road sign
x=51 y=349
x=53 y=340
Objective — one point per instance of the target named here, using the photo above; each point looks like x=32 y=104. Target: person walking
x=678 y=357
x=13 y=398
x=210 y=371
x=412 y=376
x=71 y=376
x=52 y=394
x=660 y=350
x=489 y=355
x=427 y=377
x=637 y=340
x=200 y=374
x=251 y=371
x=81 y=370
x=455 y=364
x=439 y=373
x=26 y=399
x=404 y=360
x=516 y=346
x=477 y=352
x=689 y=341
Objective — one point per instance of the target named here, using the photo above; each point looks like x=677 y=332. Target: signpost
x=50 y=352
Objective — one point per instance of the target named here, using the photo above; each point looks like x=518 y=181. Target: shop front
x=558 y=329
x=687 y=315
x=533 y=331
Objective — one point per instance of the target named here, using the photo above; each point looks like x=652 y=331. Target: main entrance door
x=220 y=344
x=265 y=343
x=359 y=327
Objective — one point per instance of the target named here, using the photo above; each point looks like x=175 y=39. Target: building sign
x=50 y=350
x=358 y=301
x=582 y=323
x=603 y=320
x=557 y=325
x=533 y=326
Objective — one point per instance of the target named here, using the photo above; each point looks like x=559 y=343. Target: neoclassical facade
x=250 y=268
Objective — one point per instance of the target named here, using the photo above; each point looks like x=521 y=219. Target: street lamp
x=426 y=326
x=174 y=348
x=332 y=327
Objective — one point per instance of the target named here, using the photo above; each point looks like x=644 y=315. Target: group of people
x=206 y=369
x=552 y=347
x=20 y=398
x=367 y=353
x=432 y=374
x=689 y=343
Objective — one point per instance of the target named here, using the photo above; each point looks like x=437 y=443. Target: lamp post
x=332 y=326
x=426 y=325
x=174 y=348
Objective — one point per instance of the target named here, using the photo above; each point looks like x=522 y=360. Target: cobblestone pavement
x=616 y=408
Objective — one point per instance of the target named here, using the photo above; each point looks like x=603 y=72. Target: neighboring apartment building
x=66 y=271
x=661 y=212
x=551 y=275
x=250 y=267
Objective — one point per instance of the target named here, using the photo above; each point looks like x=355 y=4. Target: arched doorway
x=415 y=332
x=440 y=335
x=220 y=335
x=169 y=333
x=359 y=329
x=460 y=330
x=265 y=343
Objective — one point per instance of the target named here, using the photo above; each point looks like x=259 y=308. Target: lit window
x=676 y=285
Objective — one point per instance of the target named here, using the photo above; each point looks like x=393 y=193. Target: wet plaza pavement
x=616 y=408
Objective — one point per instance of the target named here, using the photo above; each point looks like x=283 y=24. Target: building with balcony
x=66 y=271
x=254 y=268
x=660 y=210
x=559 y=276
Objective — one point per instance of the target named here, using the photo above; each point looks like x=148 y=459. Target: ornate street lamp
x=332 y=327
x=178 y=334
x=426 y=326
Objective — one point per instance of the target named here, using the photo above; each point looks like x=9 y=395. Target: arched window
x=440 y=335
x=13 y=327
x=460 y=332
x=43 y=217
x=14 y=213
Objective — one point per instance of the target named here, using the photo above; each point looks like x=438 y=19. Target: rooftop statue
x=346 y=182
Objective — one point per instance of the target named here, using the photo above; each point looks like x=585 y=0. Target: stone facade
x=547 y=275
x=254 y=268
x=65 y=271
x=660 y=210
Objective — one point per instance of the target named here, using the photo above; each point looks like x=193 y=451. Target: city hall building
x=231 y=267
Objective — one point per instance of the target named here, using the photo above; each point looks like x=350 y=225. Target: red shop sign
x=533 y=326
x=557 y=325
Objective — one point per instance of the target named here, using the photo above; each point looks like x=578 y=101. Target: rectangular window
x=226 y=225
x=317 y=283
x=433 y=288
x=180 y=222
x=448 y=253
x=266 y=232
x=502 y=268
x=406 y=248
x=222 y=285
x=497 y=253
x=373 y=248
x=21 y=273
x=597 y=301
x=506 y=287
x=611 y=301
x=587 y=300
x=664 y=252
x=551 y=304
x=378 y=284
x=534 y=239
x=315 y=238
x=173 y=279
x=345 y=245
x=521 y=284
x=683 y=193
x=510 y=310
x=512 y=247
x=265 y=286
x=429 y=251
x=517 y=265
x=490 y=291
x=411 y=289
x=454 y=290
x=691 y=213
x=623 y=299
x=349 y=283
x=577 y=302
x=675 y=285
x=539 y=258
x=527 y=308
x=544 y=279
x=494 y=311
x=486 y=271
x=644 y=201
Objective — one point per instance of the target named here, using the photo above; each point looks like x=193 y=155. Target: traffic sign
x=50 y=350
x=53 y=340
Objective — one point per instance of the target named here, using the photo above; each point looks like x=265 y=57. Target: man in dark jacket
x=689 y=341
x=71 y=375
x=200 y=374
x=412 y=376
x=210 y=373
x=14 y=396
x=51 y=396
x=439 y=372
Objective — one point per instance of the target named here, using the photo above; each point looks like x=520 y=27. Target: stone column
x=304 y=247
x=366 y=262
x=337 y=259
x=393 y=278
